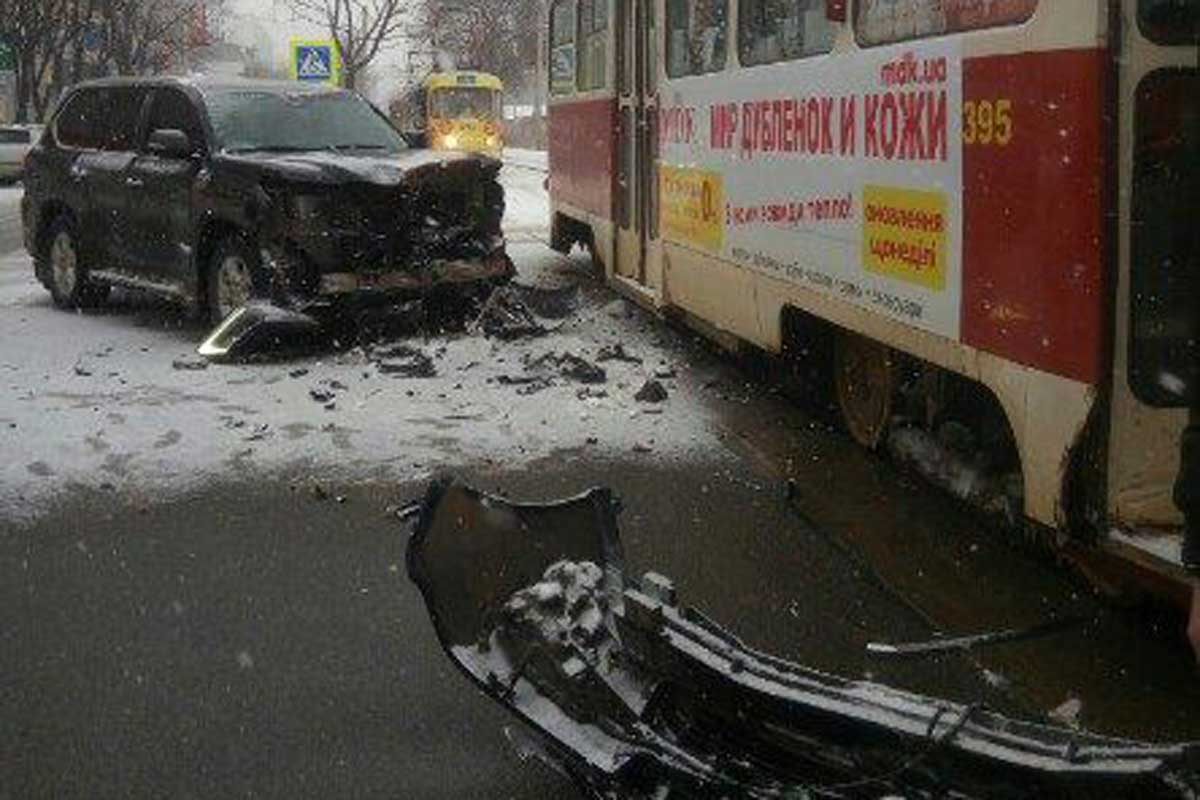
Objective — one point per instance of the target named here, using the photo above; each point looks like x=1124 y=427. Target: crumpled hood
x=392 y=169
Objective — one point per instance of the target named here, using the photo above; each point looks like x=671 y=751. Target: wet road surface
x=189 y=609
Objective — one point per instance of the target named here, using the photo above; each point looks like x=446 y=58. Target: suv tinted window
x=78 y=124
x=172 y=110
x=102 y=119
x=14 y=136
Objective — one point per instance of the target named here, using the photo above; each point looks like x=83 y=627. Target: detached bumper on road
x=633 y=692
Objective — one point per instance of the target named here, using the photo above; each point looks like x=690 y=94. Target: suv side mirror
x=171 y=143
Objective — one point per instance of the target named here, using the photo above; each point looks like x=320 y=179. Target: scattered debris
x=190 y=364
x=528 y=384
x=665 y=373
x=505 y=316
x=403 y=361
x=82 y=372
x=616 y=352
x=260 y=432
x=572 y=366
x=298 y=373
x=588 y=393
x=651 y=392
x=568 y=365
x=321 y=395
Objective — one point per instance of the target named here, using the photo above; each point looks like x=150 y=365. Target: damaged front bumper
x=636 y=696
x=445 y=273
x=295 y=319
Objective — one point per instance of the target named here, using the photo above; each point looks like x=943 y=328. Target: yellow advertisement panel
x=692 y=203
x=904 y=235
x=315 y=61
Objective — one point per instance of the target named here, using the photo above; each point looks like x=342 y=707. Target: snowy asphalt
x=204 y=595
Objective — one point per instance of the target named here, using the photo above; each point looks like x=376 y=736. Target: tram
x=463 y=112
x=986 y=208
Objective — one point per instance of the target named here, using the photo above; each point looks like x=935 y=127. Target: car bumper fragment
x=637 y=696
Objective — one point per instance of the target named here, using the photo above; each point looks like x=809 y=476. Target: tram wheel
x=865 y=379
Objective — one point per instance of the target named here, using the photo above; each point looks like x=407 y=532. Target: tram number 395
x=987 y=122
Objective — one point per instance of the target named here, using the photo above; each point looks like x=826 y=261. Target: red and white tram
x=988 y=197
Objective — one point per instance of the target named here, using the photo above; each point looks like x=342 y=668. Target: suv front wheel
x=70 y=284
x=233 y=277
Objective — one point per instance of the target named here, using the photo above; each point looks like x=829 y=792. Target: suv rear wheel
x=70 y=284
x=233 y=277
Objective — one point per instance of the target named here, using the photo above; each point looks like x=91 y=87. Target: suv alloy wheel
x=70 y=284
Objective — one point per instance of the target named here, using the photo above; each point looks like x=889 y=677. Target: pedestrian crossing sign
x=316 y=61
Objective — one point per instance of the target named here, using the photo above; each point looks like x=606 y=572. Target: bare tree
x=60 y=42
x=39 y=31
x=150 y=36
x=360 y=28
x=498 y=36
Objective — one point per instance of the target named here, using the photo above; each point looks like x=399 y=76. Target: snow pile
x=565 y=608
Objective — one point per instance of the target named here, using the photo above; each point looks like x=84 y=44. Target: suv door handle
x=134 y=182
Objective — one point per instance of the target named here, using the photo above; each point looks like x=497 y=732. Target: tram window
x=884 y=21
x=1169 y=21
x=593 y=40
x=1164 y=356
x=562 y=47
x=781 y=30
x=696 y=34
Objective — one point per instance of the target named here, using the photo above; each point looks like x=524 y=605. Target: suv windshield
x=254 y=119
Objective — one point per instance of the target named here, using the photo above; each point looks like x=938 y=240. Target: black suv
x=214 y=192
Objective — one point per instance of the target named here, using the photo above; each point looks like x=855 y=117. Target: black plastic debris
x=403 y=361
x=616 y=352
x=526 y=384
x=636 y=696
x=505 y=316
x=189 y=364
x=259 y=433
x=258 y=329
x=568 y=365
x=651 y=392
x=322 y=395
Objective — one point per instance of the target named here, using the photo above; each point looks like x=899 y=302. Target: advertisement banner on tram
x=848 y=181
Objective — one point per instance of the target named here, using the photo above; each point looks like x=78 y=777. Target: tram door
x=636 y=190
x=1157 y=342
